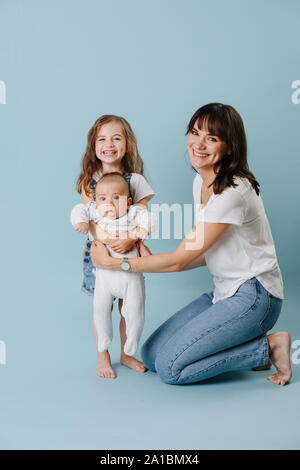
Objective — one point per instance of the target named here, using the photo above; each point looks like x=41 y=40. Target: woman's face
x=205 y=149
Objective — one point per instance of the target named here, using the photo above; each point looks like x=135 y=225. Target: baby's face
x=112 y=199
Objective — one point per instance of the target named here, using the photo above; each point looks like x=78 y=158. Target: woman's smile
x=199 y=154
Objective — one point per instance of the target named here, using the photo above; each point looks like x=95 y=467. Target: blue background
x=64 y=64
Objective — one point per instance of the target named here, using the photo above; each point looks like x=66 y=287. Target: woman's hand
x=99 y=254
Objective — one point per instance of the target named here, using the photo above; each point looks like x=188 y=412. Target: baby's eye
x=101 y=198
x=116 y=197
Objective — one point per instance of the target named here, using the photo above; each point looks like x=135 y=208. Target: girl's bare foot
x=266 y=367
x=132 y=363
x=104 y=367
x=279 y=347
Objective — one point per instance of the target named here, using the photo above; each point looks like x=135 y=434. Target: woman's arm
x=196 y=263
x=194 y=245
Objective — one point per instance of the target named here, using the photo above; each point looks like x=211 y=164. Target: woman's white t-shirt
x=246 y=249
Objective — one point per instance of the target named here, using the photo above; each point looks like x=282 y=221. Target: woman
x=223 y=330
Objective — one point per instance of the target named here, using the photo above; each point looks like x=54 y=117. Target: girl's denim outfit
x=204 y=339
x=88 y=284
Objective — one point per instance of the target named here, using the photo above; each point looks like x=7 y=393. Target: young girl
x=111 y=146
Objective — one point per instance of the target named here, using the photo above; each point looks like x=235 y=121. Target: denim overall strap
x=127 y=176
x=88 y=284
x=93 y=188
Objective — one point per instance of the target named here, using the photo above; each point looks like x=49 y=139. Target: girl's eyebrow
x=100 y=135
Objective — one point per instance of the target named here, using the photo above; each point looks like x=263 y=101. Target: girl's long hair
x=225 y=122
x=131 y=162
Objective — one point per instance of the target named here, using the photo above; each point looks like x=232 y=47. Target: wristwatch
x=125 y=266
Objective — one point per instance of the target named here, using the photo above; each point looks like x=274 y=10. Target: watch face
x=125 y=266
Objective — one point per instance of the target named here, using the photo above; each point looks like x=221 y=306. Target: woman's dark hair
x=225 y=122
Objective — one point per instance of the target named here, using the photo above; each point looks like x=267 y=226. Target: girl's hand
x=82 y=227
x=143 y=249
x=122 y=245
x=99 y=254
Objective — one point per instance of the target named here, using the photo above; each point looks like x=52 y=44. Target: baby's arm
x=91 y=225
x=146 y=223
x=80 y=218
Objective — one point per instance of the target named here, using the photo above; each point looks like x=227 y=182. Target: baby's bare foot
x=133 y=363
x=104 y=367
x=280 y=345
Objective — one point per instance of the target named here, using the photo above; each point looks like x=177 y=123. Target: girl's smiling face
x=205 y=149
x=110 y=144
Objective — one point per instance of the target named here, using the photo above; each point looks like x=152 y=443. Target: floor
x=51 y=397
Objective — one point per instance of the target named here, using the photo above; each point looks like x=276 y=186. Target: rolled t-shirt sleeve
x=227 y=208
x=140 y=188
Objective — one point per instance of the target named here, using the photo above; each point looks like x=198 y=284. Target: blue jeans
x=204 y=339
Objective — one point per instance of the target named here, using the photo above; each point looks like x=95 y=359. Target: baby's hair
x=131 y=162
x=114 y=175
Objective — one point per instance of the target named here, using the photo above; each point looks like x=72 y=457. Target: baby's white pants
x=127 y=286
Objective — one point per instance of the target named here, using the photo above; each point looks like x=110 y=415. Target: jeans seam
x=224 y=361
x=265 y=356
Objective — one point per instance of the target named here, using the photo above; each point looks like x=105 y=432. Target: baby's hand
x=139 y=233
x=82 y=227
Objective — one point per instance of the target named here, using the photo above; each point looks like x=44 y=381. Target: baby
x=114 y=213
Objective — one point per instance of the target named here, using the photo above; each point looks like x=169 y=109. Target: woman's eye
x=212 y=139
x=194 y=132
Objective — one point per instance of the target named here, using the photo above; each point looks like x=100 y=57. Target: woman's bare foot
x=133 y=363
x=279 y=347
x=104 y=367
x=266 y=367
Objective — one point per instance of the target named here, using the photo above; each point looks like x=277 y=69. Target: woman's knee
x=163 y=366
